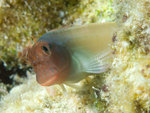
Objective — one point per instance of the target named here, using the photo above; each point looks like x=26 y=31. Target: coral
x=31 y=97
x=23 y=21
x=129 y=79
x=3 y=90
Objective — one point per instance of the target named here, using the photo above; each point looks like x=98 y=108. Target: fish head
x=50 y=62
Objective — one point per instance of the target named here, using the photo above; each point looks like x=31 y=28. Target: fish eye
x=45 y=49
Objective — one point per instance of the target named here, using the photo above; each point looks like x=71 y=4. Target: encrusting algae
x=125 y=88
x=129 y=79
x=33 y=98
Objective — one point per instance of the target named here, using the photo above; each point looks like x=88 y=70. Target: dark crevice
x=5 y=73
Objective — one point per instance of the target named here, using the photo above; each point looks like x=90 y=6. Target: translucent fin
x=50 y=91
x=92 y=37
x=72 y=85
x=63 y=87
x=99 y=63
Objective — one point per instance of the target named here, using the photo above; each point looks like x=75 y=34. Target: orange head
x=51 y=62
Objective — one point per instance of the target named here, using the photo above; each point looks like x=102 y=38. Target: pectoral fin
x=99 y=63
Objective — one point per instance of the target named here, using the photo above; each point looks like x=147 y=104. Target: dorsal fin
x=91 y=37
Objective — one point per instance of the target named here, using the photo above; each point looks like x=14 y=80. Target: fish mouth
x=51 y=81
x=46 y=75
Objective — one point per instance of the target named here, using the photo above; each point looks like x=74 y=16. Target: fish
x=69 y=55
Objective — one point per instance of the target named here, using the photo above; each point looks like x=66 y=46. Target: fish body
x=69 y=55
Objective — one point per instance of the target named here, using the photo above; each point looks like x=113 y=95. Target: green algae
x=23 y=21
